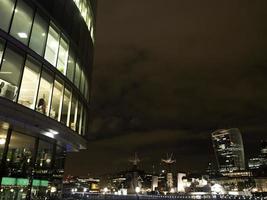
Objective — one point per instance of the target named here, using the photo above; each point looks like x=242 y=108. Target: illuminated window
x=44 y=93
x=29 y=84
x=3 y=134
x=82 y=83
x=10 y=74
x=73 y=112
x=71 y=66
x=52 y=46
x=79 y=114
x=57 y=97
x=22 y=22
x=1 y=49
x=65 y=114
x=77 y=75
x=63 y=56
x=39 y=34
x=6 y=10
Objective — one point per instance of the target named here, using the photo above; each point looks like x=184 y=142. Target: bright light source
x=137 y=190
x=2 y=141
x=53 y=189
x=105 y=190
x=84 y=189
x=22 y=35
x=53 y=131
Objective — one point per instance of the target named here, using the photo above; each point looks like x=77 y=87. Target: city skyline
x=166 y=76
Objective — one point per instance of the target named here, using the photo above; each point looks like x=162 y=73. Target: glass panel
x=82 y=83
x=84 y=121
x=86 y=88
x=2 y=42
x=57 y=97
x=39 y=34
x=20 y=155
x=80 y=119
x=66 y=106
x=73 y=112
x=29 y=84
x=22 y=22
x=6 y=11
x=44 y=94
x=60 y=161
x=52 y=46
x=3 y=134
x=63 y=56
x=71 y=66
x=77 y=75
x=79 y=110
x=44 y=158
x=10 y=74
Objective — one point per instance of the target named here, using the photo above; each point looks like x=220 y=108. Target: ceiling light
x=2 y=141
x=22 y=35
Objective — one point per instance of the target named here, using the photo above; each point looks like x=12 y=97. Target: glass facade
x=44 y=83
x=6 y=11
x=33 y=165
x=39 y=34
x=22 y=22
x=10 y=73
x=29 y=83
x=52 y=45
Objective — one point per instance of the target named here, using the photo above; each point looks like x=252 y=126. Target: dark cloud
x=169 y=73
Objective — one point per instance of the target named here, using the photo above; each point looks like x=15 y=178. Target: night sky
x=169 y=72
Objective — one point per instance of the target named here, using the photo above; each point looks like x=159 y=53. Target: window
x=22 y=22
x=1 y=49
x=79 y=114
x=29 y=83
x=52 y=46
x=71 y=66
x=39 y=34
x=73 y=112
x=20 y=154
x=3 y=134
x=10 y=74
x=44 y=94
x=66 y=106
x=84 y=121
x=77 y=75
x=82 y=83
x=63 y=56
x=57 y=97
x=44 y=158
x=6 y=11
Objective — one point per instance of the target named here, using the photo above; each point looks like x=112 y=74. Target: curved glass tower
x=46 y=56
x=229 y=150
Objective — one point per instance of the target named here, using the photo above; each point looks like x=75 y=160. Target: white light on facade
x=22 y=35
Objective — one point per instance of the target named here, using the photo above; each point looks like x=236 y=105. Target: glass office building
x=229 y=150
x=46 y=56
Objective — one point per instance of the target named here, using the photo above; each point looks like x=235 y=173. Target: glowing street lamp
x=137 y=190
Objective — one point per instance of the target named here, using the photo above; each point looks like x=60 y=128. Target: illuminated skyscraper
x=229 y=151
x=46 y=56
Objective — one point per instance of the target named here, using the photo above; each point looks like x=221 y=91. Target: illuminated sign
x=8 y=181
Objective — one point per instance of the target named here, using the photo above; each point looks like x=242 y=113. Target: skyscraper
x=46 y=56
x=229 y=151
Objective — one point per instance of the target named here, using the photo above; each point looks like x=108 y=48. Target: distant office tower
x=229 y=150
x=261 y=160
